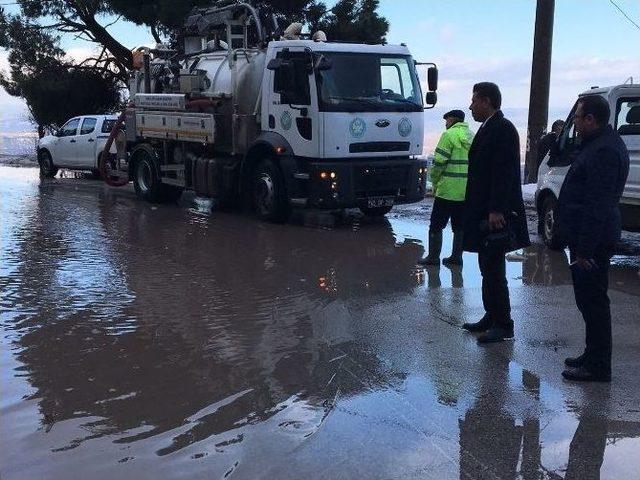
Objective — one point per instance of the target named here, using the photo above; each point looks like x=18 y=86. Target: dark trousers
x=443 y=210
x=495 y=289
x=590 y=288
x=586 y=452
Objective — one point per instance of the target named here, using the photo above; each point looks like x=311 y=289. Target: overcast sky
x=477 y=40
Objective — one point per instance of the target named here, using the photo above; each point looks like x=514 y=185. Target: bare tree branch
x=114 y=22
x=156 y=35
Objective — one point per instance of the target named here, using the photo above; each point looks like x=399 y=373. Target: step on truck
x=624 y=101
x=241 y=115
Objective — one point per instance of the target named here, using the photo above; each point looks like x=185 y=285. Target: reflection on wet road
x=169 y=342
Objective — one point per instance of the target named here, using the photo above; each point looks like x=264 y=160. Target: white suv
x=76 y=146
x=625 y=118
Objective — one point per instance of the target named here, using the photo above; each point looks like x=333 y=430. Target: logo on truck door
x=405 y=127
x=383 y=123
x=358 y=127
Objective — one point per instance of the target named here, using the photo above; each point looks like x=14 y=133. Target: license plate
x=375 y=202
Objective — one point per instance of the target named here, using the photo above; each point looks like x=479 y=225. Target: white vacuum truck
x=251 y=117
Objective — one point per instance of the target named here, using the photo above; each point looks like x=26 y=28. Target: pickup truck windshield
x=359 y=82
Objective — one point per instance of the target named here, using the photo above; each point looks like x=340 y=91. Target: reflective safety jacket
x=451 y=162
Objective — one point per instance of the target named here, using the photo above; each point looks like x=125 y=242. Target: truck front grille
x=380 y=180
x=379 y=147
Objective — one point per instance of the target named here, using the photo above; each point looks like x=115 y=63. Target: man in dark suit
x=588 y=222
x=494 y=205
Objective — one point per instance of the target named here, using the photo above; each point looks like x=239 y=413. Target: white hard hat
x=319 y=36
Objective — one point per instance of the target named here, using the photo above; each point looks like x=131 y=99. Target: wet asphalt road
x=171 y=342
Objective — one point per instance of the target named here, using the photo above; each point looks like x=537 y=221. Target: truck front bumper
x=362 y=182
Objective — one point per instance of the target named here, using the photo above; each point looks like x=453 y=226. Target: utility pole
x=540 y=78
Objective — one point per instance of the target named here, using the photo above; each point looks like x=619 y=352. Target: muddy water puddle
x=147 y=341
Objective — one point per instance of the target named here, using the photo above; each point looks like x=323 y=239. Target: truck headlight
x=328 y=175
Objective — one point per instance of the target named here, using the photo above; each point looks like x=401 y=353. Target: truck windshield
x=359 y=82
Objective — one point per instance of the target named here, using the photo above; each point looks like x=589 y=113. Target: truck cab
x=624 y=101
x=350 y=119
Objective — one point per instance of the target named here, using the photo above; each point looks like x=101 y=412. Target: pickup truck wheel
x=47 y=168
x=547 y=215
x=146 y=181
x=269 y=196
x=376 y=211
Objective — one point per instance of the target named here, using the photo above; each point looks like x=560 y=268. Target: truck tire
x=547 y=219
x=47 y=168
x=376 y=211
x=269 y=196
x=95 y=172
x=147 y=184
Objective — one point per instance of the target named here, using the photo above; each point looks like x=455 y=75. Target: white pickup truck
x=76 y=146
x=624 y=101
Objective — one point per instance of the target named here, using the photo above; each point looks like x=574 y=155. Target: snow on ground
x=529 y=193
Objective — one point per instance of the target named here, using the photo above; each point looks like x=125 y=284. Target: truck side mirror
x=432 y=79
x=432 y=99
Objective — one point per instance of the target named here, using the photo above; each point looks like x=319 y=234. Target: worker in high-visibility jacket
x=449 y=179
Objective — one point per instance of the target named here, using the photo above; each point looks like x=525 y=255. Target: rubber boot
x=435 y=246
x=456 y=252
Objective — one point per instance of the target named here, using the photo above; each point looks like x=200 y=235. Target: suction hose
x=106 y=165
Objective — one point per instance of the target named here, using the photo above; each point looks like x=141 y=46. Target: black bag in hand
x=500 y=241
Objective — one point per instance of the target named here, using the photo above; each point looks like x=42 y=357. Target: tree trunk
x=121 y=53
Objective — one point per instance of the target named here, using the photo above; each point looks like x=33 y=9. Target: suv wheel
x=47 y=168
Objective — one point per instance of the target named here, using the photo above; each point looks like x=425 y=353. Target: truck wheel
x=47 y=168
x=146 y=180
x=547 y=216
x=376 y=211
x=269 y=196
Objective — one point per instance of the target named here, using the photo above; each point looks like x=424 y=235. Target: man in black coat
x=494 y=206
x=544 y=145
x=588 y=222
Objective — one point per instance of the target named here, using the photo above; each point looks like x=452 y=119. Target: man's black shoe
x=429 y=262
x=452 y=261
x=582 y=374
x=496 y=334
x=482 y=326
x=576 y=362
